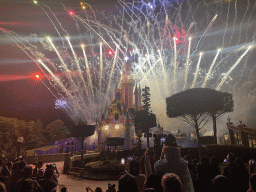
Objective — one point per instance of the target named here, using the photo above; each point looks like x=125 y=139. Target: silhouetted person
x=48 y=183
x=171 y=183
x=154 y=181
x=220 y=184
x=173 y=163
x=240 y=175
x=229 y=172
x=127 y=183
x=252 y=183
x=214 y=167
x=134 y=171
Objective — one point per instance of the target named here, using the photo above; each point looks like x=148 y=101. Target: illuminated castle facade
x=120 y=119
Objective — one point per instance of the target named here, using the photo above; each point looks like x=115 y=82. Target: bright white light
x=175 y=38
x=49 y=38
x=201 y=53
x=219 y=50
x=67 y=38
x=117 y=126
x=82 y=45
x=35 y=2
x=126 y=58
x=190 y=38
x=106 y=127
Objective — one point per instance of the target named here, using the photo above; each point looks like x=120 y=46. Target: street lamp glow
x=35 y=2
x=37 y=76
x=83 y=7
x=189 y=38
x=201 y=53
x=82 y=45
x=67 y=38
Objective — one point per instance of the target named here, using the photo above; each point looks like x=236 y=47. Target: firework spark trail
x=197 y=71
x=145 y=75
x=111 y=75
x=58 y=99
x=101 y=65
x=187 y=64
x=63 y=65
x=16 y=41
x=77 y=65
x=175 y=63
x=223 y=40
x=246 y=59
x=53 y=22
x=241 y=24
x=89 y=78
x=231 y=69
x=56 y=80
x=163 y=71
x=247 y=29
x=207 y=29
x=230 y=40
x=210 y=69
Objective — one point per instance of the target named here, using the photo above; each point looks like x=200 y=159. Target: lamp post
x=72 y=144
x=19 y=140
x=67 y=147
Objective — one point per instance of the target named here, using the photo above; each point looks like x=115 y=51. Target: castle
x=120 y=120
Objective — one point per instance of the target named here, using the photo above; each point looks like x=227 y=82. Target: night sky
x=22 y=96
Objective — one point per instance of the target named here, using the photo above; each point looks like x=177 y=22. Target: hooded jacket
x=173 y=163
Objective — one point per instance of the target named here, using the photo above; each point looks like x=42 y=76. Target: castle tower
x=136 y=97
x=139 y=96
x=127 y=85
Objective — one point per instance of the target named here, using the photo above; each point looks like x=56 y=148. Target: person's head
x=170 y=140
x=26 y=185
x=134 y=167
x=195 y=161
x=154 y=181
x=22 y=164
x=40 y=164
x=204 y=160
x=214 y=161
x=171 y=183
x=64 y=189
x=231 y=157
x=27 y=172
x=2 y=187
x=189 y=159
x=239 y=161
x=98 y=189
x=127 y=183
x=253 y=182
x=220 y=184
x=9 y=165
x=48 y=173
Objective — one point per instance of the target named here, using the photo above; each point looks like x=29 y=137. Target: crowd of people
x=171 y=173
x=18 y=176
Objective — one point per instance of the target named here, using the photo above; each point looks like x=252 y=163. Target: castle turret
x=136 y=97
x=127 y=85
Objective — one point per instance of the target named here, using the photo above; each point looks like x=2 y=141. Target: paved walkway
x=76 y=185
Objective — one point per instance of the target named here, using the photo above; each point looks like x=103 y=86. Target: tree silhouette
x=81 y=131
x=223 y=103
x=194 y=106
